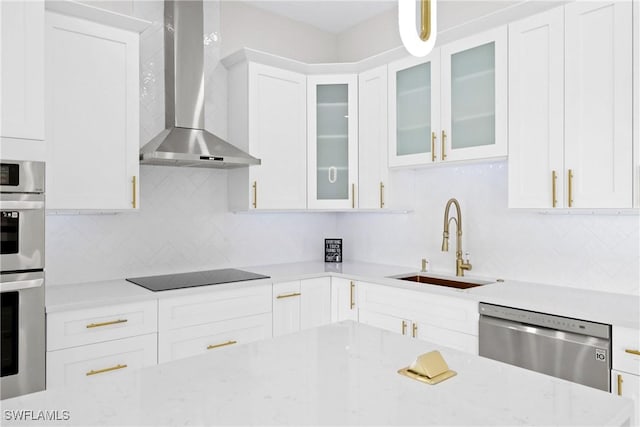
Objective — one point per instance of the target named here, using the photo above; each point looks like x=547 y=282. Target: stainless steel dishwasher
x=572 y=349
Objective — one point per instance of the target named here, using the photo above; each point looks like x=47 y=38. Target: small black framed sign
x=332 y=250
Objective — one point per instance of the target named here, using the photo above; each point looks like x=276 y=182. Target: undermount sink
x=450 y=283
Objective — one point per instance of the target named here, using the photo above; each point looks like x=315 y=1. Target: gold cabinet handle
x=443 y=155
x=294 y=294
x=381 y=195
x=554 y=195
x=134 y=182
x=352 y=301
x=570 y=175
x=620 y=381
x=414 y=330
x=224 y=344
x=433 y=146
x=636 y=352
x=112 y=322
x=404 y=327
x=102 y=371
x=255 y=194
x=353 y=196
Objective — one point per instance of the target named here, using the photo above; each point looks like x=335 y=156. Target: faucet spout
x=461 y=265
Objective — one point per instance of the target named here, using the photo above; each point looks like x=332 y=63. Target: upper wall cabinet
x=451 y=105
x=372 y=139
x=92 y=105
x=267 y=117
x=570 y=121
x=22 y=79
x=332 y=141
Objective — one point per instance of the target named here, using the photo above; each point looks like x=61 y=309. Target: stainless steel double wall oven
x=22 y=277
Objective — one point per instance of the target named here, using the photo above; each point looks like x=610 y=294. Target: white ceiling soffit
x=333 y=16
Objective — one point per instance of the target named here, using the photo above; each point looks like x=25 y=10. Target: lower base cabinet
x=196 y=340
x=343 y=300
x=95 y=362
x=627 y=385
x=301 y=304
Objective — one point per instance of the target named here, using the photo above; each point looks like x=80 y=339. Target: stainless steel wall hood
x=185 y=142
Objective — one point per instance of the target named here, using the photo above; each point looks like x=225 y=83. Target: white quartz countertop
x=615 y=309
x=344 y=373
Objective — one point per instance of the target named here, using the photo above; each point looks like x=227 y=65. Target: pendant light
x=417 y=44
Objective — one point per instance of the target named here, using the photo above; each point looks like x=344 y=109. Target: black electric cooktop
x=197 y=278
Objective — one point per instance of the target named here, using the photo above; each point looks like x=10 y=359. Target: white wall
x=595 y=252
x=247 y=26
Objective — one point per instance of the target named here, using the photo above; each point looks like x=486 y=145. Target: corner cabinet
x=451 y=105
x=92 y=106
x=301 y=304
x=267 y=118
x=22 y=79
x=570 y=120
x=332 y=141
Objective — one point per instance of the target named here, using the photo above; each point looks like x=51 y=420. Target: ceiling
x=334 y=16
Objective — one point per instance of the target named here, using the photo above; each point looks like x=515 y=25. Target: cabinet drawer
x=95 y=362
x=80 y=327
x=181 y=343
x=200 y=309
x=626 y=350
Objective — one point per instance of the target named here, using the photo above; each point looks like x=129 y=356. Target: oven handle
x=21 y=205
x=20 y=285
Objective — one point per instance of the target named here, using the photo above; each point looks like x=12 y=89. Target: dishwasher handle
x=544 y=332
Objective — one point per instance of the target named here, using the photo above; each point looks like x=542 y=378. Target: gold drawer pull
x=102 y=371
x=414 y=332
x=255 y=194
x=381 y=195
x=636 y=352
x=620 y=381
x=352 y=301
x=353 y=196
x=404 y=327
x=134 y=183
x=224 y=344
x=433 y=146
x=554 y=194
x=570 y=176
x=295 y=294
x=113 y=322
x=443 y=155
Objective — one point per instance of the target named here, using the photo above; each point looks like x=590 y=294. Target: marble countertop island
x=344 y=373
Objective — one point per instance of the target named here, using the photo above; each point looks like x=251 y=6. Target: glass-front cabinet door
x=414 y=110
x=332 y=141
x=474 y=97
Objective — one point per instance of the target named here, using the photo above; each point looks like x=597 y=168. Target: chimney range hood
x=185 y=142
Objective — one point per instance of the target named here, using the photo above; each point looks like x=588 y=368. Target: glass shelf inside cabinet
x=413 y=110
x=473 y=97
x=332 y=166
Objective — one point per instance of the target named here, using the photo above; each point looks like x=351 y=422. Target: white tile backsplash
x=183 y=224
x=598 y=252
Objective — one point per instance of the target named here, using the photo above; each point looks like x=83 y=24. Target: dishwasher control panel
x=544 y=320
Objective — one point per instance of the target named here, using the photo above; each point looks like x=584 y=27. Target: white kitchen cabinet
x=92 y=325
x=286 y=307
x=99 y=342
x=101 y=361
x=536 y=111
x=22 y=71
x=268 y=118
x=443 y=320
x=332 y=141
x=450 y=105
x=414 y=110
x=200 y=339
x=570 y=123
x=200 y=322
x=92 y=106
x=300 y=305
x=372 y=139
x=625 y=373
x=474 y=97
x=22 y=80
x=343 y=300
x=598 y=104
